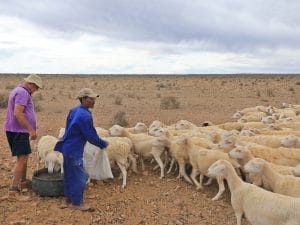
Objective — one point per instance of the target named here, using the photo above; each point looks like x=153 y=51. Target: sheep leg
x=133 y=163
x=38 y=161
x=156 y=167
x=142 y=163
x=221 y=188
x=161 y=165
x=194 y=173
x=183 y=173
x=238 y=216
x=208 y=182
x=171 y=166
x=201 y=180
x=124 y=174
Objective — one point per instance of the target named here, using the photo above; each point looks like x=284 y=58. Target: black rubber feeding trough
x=45 y=184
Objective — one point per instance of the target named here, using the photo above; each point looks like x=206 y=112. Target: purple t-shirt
x=21 y=96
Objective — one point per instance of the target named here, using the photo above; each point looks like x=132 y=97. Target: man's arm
x=19 y=114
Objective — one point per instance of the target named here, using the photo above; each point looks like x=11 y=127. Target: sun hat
x=35 y=79
x=87 y=92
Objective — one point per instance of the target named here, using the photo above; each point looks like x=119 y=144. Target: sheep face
x=227 y=143
x=183 y=124
x=254 y=165
x=289 y=141
x=116 y=130
x=155 y=124
x=267 y=120
x=140 y=127
x=238 y=152
x=157 y=132
x=217 y=169
x=237 y=115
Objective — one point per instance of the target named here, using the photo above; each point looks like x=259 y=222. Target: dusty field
x=147 y=199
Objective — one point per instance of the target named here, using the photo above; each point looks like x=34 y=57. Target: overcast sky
x=149 y=36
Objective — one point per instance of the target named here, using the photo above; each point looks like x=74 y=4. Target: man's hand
x=32 y=135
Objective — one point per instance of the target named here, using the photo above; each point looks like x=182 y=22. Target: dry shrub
x=38 y=96
x=120 y=119
x=118 y=100
x=169 y=102
x=10 y=86
x=291 y=89
x=270 y=93
x=297 y=83
x=3 y=100
x=258 y=93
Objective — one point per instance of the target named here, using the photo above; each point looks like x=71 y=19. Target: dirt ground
x=146 y=199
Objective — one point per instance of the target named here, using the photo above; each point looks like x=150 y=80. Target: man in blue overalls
x=79 y=130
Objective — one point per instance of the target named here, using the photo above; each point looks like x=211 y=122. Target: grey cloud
x=216 y=25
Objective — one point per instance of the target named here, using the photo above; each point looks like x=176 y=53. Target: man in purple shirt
x=20 y=128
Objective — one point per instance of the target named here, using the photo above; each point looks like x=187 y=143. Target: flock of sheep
x=258 y=155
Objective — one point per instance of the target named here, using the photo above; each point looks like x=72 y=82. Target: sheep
x=260 y=207
x=184 y=124
x=268 y=119
x=296 y=171
x=138 y=128
x=144 y=145
x=243 y=155
x=118 y=151
x=200 y=159
x=279 y=156
x=273 y=141
x=281 y=184
x=102 y=132
x=231 y=126
x=156 y=124
x=291 y=141
x=252 y=117
x=45 y=152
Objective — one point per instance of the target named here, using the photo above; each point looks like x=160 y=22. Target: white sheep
x=184 y=124
x=252 y=117
x=278 y=183
x=260 y=207
x=138 y=128
x=280 y=156
x=291 y=141
x=118 y=151
x=296 y=171
x=200 y=159
x=45 y=152
x=144 y=145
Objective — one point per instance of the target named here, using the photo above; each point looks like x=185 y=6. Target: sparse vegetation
x=270 y=93
x=118 y=100
x=120 y=119
x=3 y=100
x=291 y=89
x=169 y=102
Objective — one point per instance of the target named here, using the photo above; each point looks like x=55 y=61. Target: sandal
x=25 y=184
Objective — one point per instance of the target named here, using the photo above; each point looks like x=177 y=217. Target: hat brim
x=90 y=96
x=30 y=81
